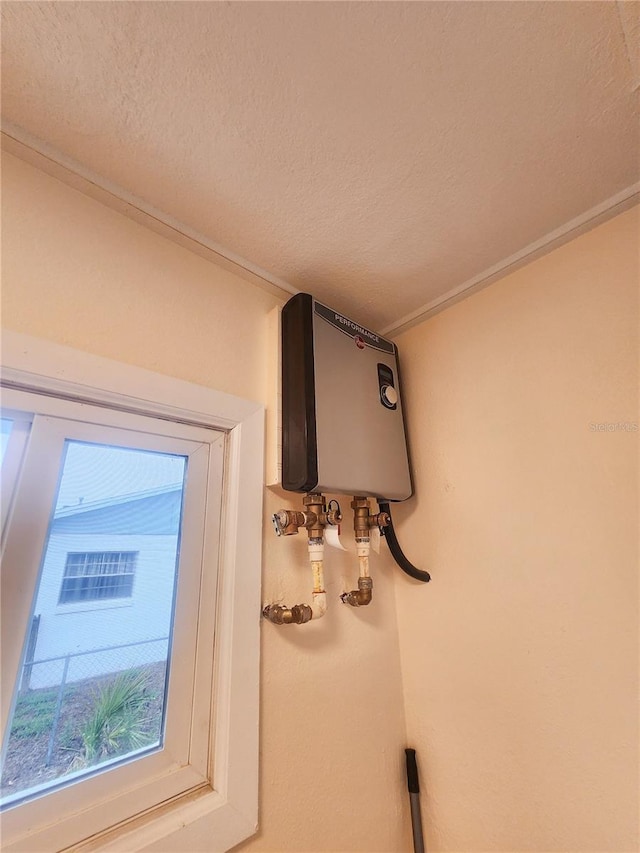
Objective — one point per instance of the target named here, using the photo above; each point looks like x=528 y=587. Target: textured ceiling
x=376 y=154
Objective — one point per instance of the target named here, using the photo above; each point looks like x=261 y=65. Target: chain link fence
x=65 y=701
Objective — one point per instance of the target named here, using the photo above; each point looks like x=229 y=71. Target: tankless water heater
x=342 y=423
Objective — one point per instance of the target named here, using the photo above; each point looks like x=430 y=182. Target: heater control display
x=386 y=386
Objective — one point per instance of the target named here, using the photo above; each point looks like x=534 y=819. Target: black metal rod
x=413 y=786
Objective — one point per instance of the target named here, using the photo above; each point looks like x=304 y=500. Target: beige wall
x=520 y=661
x=332 y=714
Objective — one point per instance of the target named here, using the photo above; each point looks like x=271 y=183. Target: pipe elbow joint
x=280 y=615
x=359 y=597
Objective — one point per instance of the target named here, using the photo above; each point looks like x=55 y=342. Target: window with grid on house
x=99 y=575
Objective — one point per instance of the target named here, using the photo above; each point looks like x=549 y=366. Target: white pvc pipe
x=363 y=549
x=276 y=612
x=318 y=604
x=319 y=595
x=363 y=562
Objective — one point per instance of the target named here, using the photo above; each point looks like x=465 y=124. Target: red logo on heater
x=359 y=342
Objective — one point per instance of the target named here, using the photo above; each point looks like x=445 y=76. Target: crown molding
x=44 y=157
x=613 y=206
x=34 y=151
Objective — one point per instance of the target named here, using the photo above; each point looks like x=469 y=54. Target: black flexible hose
x=396 y=551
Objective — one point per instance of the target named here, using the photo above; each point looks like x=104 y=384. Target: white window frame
x=220 y=809
x=181 y=764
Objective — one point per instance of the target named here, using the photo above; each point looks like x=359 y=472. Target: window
x=121 y=553
x=96 y=576
x=5 y=433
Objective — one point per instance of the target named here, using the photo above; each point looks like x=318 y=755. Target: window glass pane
x=91 y=688
x=5 y=432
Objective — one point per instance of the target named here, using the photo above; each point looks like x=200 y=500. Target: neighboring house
x=107 y=580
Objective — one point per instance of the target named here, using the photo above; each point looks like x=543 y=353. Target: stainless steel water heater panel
x=342 y=423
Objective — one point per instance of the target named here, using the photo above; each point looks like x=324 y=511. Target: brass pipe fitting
x=364 y=520
x=359 y=597
x=360 y=507
x=315 y=515
x=315 y=518
x=380 y=519
x=280 y=615
x=287 y=522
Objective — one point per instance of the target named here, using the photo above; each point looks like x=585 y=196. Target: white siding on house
x=66 y=629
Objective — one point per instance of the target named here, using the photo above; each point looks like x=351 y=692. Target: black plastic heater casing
x=299 y=446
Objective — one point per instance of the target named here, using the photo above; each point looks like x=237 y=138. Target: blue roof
x=155 y=512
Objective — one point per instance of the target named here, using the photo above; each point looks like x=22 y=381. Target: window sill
x=201 y=819
x=89 y=606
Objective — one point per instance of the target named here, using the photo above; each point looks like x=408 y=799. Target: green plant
x=68 y=738
x=33 y=715
x=117 y=723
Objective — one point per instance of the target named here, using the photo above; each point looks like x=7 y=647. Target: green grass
x=118 y=722
x=34 y=713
